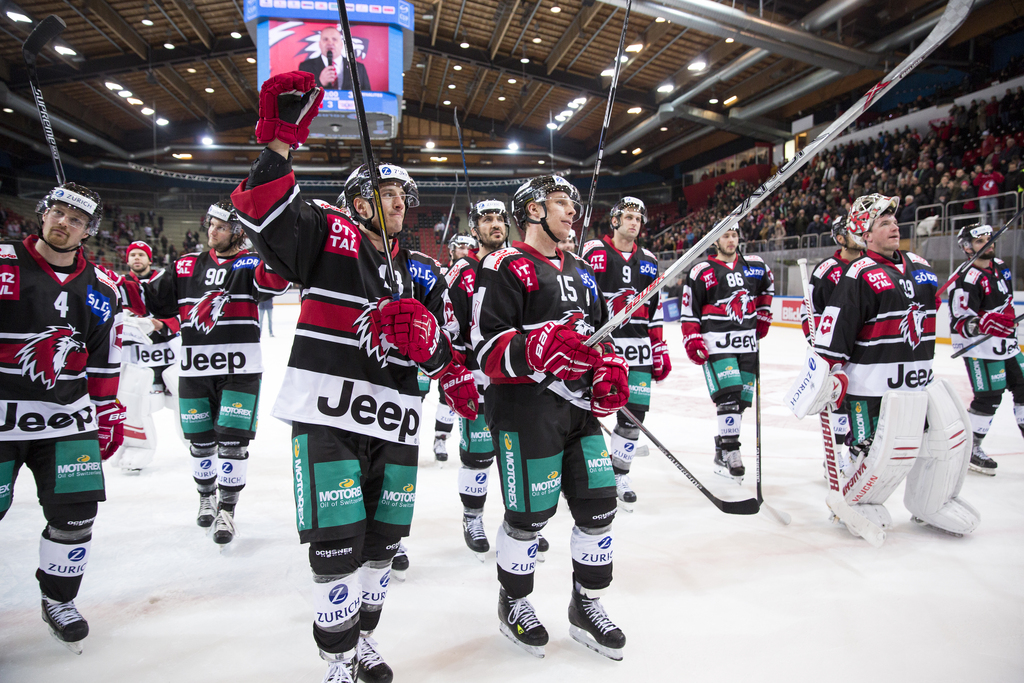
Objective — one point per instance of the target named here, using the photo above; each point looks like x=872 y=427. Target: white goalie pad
x=895 y=447
x=133 y=391
x=811 y=389
x=136 y=329
x=938 y=474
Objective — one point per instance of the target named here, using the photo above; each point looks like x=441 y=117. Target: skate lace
x=733 y=458
x=594 y=611
x=522 y=612
x=475 y=528
x=368 y=655
x=224 y=522
x=622 y=481
x=206 y=506
x=338 y=672
x=62 y=613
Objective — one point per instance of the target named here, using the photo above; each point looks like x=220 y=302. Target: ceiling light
x=457 y=67
x=63 y=50
x=113 y=86
x=251 y=60
x=147 y=111
x=713 y=100
x=209 y=90
x=501 y=98
x=446 y=102
x=207 y=140
x=635 y=47
x=8 y=110
x=731 y=100
x=430 y=144
x=608 y=72
x=513 y=146
x=190 y=70
x=162 y=121
x=730 y=40
x=668 y=87
x=524 y=60
x=573 y=105
x=634 y=110
x=182 y=155
x=565 y=113
x=552 y=126
x=147 y=22
x=135 y=101
x=236 y=35
x=464 y=45
x=169 y=46
x=427 y=17
x=637 y=151
x=580 y=100
x=664 y=129
x=559 y=118
x=556 y=9
x=125 y=93
x=439 y=158
x=697 y=65
x=451 y=86
x=72 y=139
x=659 y=20
x=540 y=161
x=622 y=151
x=512 y=81
x=18 y=16
x=537 y=41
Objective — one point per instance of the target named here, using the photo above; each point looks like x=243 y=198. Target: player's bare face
x=630 y=224
x=978 y=243
x=561 y=214
x=491 y=231
x=459 y=252
x=138 y=261
x=65 y=227
x=884 y=236
x=394 y=201
x=219 y=235
x=728 y=243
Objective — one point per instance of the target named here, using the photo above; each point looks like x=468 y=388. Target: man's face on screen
x=330 y=40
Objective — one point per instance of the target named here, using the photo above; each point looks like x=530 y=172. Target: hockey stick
x=451 y=211
x=604 y=127
x=46 y=30
x=953 y=16
x=855 y=521
x=364 y=141
x=730 y=507
x=465 y=169
x=982 y=340
x=967 y=264
x=777 y=515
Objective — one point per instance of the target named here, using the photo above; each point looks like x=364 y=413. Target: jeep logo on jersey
x=366 y=410
x=368 y=326
x=208 y=310
x=737 y=306
x=45 y=354
x=911 y=378
x=912 y=325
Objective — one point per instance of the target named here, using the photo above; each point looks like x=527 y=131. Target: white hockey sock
x=374 y=582
x=729 y=425
x=592 y=547
x=60 y=559
x=622 y=450
x=980 y=424
x=1018 y=412
x=516 y=556
x=336 y=603
x=444 y=414
x=205 y=466
x=472 y=482
x=232 y=472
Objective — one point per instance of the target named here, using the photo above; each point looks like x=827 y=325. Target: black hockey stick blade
x=46 y=30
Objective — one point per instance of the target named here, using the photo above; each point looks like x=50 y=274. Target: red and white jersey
x=720 y=302
x=60 y=344
x=976 y=292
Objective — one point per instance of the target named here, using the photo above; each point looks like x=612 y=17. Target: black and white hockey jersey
x=976 y=292
x=163 y=347
x=342 y=373
x=60 y=345
x=621 y=278
x=821 y=284
x=216 y=301
x=720 y=301
x=519 y=290
x=880 y=323
x=461 y=280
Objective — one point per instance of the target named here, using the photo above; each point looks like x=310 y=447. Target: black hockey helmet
x=77 y=197
x=629 y=204
x=487 y=206
x=967 y=234
x=358 y=185
x=537 y=190
x=839 y=229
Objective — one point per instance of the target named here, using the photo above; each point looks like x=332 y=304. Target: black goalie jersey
x=519 y=290
x=216 y=301
x=720 y=301
x=342 y=373
x=975 y=293
x=880 y=322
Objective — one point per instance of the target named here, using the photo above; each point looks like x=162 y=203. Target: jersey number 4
x=61 y=304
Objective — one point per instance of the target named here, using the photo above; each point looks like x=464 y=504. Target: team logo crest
x=620 y=299
x=912 y=325
x=45 y=354
x=371 y=340
x=576 y=321
x=205 y=314
x=737 y=306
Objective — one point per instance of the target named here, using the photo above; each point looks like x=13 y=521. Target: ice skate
x=224 y=527
x=590 y=626
x=981 y=463
x=542 y=547
x=371 y=666
x=339 y=666
x=624 y=492
x=441 y=448
x=728 y=464
x=399 y=563
x=66 y=624
x=207 y=510
x=473 y=532
x=519 y=623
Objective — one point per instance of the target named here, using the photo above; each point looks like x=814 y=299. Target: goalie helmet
x=77 y=197
x=460 y=241
x=865 y=211
x=969 y=233
x=629 y=204
x=487 y=206
x=537 y=190
x=358 y=184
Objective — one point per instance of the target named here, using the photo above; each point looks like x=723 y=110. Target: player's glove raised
x=661 y=360
x=408 y=325
x=764 y=323
x=695 y=347
x=460 y=390
x=560 y=350
x=610 y=388
x=996 y=323
x=288 y=103
x=111 y=434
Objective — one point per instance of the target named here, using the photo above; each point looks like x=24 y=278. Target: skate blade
x=480 y=556
x=926 y=525
x=725 y=473
x=535 y=650
x=540 y=556
x=131 y=471
x=624 y=506
x=398 y=575
x=641 y=452
x=587 y=640
x=987 y=471
x=75 y=647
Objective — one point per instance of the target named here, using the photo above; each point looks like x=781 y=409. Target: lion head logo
x=738 y=306
x=620 y=299
x=208 y=310
x=912 y=325
x=371 y=340
x=45 y=354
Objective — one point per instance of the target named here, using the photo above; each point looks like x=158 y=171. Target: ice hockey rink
x=701 y=596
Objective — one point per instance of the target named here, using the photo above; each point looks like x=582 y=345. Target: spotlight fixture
x=512 y=81
x=251 y=60
x=637 y=151
x=182 y=155
x=446 y=102
x=209 y=90
x=713 y=100
x=169 y=46
x=430 y=144
x=18 y=17
x=72 y=140
x=634 y=110
x=162 y=121
x=190 y=70
x=457 y=67
x=501 y=98
x=668 y=87
x=730 y=40
x=134 y=101
x=552 y=126
x=236 y=35
x=556 y=9
x=451 y=86
x=664 y=129
x=731 y=100
x=697 y=65
x=125 y=93
x=147 y=111
x=111 y=85
x=635 y=47
x=513 y=146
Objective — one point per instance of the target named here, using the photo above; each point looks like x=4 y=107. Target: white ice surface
x=701 y=596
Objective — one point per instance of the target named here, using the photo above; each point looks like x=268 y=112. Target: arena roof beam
x=194 y=99
x=501 y=28
x=118 y=26
x=520 y=103
x=436 y=21
x=241 y=81
x=188 y=10
x=575 y=31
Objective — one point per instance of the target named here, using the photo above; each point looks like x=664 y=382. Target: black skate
x=519 y=623
x=981 y=463
x=728 y=464
x=371 y=666
x=542 y=547
x=224 y=527
x=473 y=532
x=441 y=448
x=590 y=626
x=207 y=510
x=625 y=493
x=399 y=563
x=66 y=624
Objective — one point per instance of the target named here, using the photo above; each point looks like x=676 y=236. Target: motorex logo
x=76 y=555
x=338 y=594
x=481 y=478
x=605 y=543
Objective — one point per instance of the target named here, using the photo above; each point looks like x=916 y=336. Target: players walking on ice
x=980 y=303
x=623 y=270
x=60 y=327
x=725 y=310
x=878 y=335
x=533 y=308
x=350 y=390
x=215 y=294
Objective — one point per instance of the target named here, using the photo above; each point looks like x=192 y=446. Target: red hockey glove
x=997 y=324
x=288 y=103
x=560 y=350
x=695 y=348
x=111 y=420
x=764 y=322
x=662 y=362
x=410 y=327
x=610 y=388
x=460 y=390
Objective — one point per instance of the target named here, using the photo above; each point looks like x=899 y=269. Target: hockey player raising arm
x=533 y=307
x=350 y=390
x=980 y=303
x=60 y=354
x=878 y=335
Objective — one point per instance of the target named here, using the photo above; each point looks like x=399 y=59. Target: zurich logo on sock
x=338 y=594
x=481 y=478
x=226 y=467
x=605 y=543
x=77 y=555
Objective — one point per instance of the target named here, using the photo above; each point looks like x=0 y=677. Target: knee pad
x=591 y=546
x=334 y=558
x=336 y=601
x=730 y=415
x=516 y=550
x=234 y=461
x=473 y=481
x=593 y=512
x=204 y=465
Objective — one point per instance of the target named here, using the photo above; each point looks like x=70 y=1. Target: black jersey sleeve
x=849 y=307
x=497 y=333
x=161 y=291
x=694 y=297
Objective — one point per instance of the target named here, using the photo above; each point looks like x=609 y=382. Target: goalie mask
x=629 y=204
x=967 y=234
x=77 y=197
x=537 y=190
x=863 y=214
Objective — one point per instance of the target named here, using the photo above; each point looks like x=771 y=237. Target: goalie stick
x=856 y=522
x=46 y=30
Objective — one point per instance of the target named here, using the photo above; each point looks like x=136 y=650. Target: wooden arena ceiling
x=186 y=65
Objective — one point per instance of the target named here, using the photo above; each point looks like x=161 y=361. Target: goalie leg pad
x=938 y=475
x=895 y=445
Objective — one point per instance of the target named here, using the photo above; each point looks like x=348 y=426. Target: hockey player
x=726 y=310
x=350 y=390
x=215 y=294
x=149 y=370
x=60 y=347
x=624 y=270
x=878 y=335
x=533 y=307
x=980 y=303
